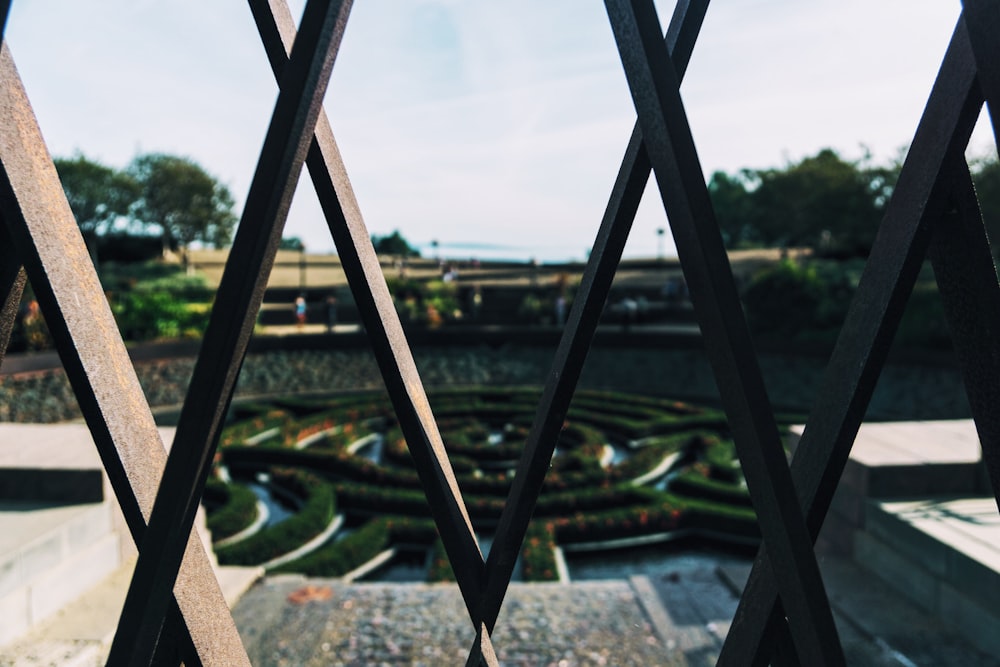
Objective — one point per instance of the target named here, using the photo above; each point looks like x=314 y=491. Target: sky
x=493 y=128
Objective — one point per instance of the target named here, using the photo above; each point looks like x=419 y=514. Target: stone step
x=49 y=556
x=943 y=555
x=79 y=634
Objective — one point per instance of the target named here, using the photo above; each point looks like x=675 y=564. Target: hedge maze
x=627 y=468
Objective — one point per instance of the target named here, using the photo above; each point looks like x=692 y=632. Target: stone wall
x=905 y=391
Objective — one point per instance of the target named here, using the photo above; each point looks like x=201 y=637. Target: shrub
x=693 y=485
x=342 y=556
x=314 y=515
x=783 y=299
x=538 y=560
x=440 y=569
x=230 y=507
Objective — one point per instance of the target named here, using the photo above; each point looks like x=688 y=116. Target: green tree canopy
x=734 y=208
x=98 y=195
x=182 y=200
x=394 y=244
x=823 y=202
x=291 y=243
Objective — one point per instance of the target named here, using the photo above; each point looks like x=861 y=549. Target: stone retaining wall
x=906 y=391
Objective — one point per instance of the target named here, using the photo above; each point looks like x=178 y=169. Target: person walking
x=300 y=311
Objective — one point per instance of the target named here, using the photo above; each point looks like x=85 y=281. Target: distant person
x=560 y=310
x=300 y=311
x=331 y=312
x=477 y=303
x=630 y=309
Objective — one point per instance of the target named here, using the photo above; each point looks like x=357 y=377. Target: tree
x=98 y=195
x=182 y=200
x=291 y=243
x=823 y=202
x=394 y=244
x=733 y=204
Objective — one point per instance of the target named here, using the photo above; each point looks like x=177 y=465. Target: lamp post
x=660 y=231
x=302 y=267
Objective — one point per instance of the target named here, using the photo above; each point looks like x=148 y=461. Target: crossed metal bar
x=933 y=176
x=656 y=94
x=39 y=232
x=174 y=609
x=227 y=336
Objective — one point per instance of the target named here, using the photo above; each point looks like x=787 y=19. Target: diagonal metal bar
x=871 y=322
x=12 y=280
x=230 y=326
x=967 y=280
x=379 y=317
x=4 y=15
x=972 y=305
x=578 y=334
x=982 y=20
x=655 y=91
x=46 y=239
x=482 y=653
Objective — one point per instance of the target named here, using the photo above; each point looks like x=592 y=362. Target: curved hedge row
x=313 y=516
x=585 y=498
x=231 y=508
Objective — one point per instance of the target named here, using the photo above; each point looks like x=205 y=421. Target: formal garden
x=627 y=470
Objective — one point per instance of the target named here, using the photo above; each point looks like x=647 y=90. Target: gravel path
x=296 y=621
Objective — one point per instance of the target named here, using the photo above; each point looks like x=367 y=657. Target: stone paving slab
x=677 y=616
x=80 y=634
x=908 y=460
x=54 y=446
x=920 y=442
x=331 y=623
x=54 y=463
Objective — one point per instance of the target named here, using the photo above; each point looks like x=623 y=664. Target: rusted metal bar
x=12 y=280
x=47 y=240
x=578 y=334
x=871 y=323
x=655 y=92
x=482 y=654
x=381 y=322
x=237 y=302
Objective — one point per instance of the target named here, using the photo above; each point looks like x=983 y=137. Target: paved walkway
x=294 y=621
x=675 y=614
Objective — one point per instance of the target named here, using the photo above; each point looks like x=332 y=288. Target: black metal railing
x=174 y=610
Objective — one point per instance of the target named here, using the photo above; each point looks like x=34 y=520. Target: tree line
x=156 y=196
x=824 y=202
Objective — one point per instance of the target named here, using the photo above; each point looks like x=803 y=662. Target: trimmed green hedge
x=339 y=557
x=692 y=484
x=314 y=515
x=440 y=569
x=233 y=507
x=538 y=559
x=581 y=500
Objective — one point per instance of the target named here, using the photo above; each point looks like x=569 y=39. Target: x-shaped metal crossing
x=174 y=610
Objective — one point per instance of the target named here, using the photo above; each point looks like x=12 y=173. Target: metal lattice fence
x=174 y=609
